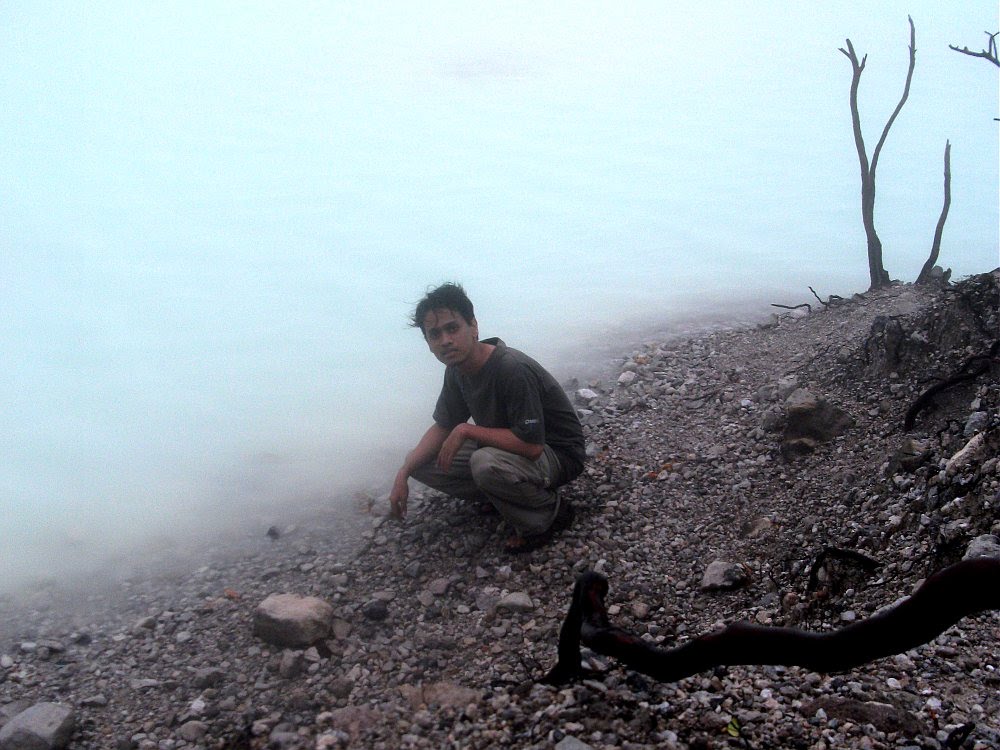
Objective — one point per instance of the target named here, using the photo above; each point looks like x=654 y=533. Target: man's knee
x=483 y=464
x=492 y=468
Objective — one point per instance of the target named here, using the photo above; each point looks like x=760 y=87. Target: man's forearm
x=426 y=449
x=502 y=438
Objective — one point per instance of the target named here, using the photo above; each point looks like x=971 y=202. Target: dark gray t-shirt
x=513 y=391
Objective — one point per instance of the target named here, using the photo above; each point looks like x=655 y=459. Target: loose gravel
x=439 y=638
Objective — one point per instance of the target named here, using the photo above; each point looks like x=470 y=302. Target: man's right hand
x=425 y=451
x=397 y=498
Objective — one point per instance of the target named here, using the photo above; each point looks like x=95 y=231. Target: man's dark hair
x=448 y=296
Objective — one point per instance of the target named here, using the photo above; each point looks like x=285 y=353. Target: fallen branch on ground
x=866 y=563
x=818 y=298
x=971 y=369
x=833 y=298
x=793 y=307
x=949 y=595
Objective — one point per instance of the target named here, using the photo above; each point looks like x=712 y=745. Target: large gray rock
x=970 y=452
x=517 y=601
x=291 y=621
x=882 y=716
x=810 y=416
x=44 y=726
x=986 y=545
x=724 y=576
x=977 y=422
x=627 y=378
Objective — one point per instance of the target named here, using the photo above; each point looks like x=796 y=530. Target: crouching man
x=525 y=439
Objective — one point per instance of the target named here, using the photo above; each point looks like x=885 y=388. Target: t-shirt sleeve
x=451 y=409
x=523 y=398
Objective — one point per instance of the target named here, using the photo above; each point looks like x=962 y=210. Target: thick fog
x=215 y=219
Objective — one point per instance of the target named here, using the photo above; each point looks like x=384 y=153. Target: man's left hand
x=451 y=446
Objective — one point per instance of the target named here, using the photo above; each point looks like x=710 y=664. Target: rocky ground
x=438 y=638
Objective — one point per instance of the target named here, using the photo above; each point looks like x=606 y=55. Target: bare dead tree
x=876 y=270
x=925 y=272
x=990 y=53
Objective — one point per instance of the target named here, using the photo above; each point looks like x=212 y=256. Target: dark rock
x=797 y=447
x=910 y=456
x=885 y=346
x=376 y=610
x=208 y=677
x=811 y=416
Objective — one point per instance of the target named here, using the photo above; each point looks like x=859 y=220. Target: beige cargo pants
x=519 y=488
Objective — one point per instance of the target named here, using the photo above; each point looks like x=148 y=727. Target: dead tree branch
x=956 y=592
x=866 y=563
x=972 y=368
x=990 y=53
x=902 y=99
x=925 y=272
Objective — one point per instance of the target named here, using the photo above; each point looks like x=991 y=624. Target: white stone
x=291 y=620
x=968 y=452
x=518 y=601
x=627 y=378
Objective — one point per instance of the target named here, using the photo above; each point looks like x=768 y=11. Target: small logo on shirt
x=528 y=422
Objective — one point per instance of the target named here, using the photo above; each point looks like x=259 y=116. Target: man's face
x=449 y=337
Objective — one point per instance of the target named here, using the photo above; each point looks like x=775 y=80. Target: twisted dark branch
x=866 y=563
x=972 y=368
x=825 y=304
x=958 y=591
